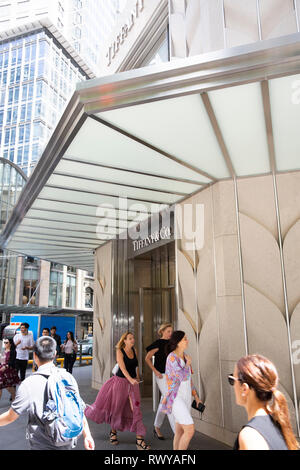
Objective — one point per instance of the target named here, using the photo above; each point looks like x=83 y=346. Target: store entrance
x=154 y=275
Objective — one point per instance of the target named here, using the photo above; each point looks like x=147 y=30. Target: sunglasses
x=5 y=342
x=232 y=379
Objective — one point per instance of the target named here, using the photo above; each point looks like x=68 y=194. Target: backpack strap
x=44 y=375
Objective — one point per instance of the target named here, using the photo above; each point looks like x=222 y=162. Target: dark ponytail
x=280 y=414
x=261 y=375
x=176 y=337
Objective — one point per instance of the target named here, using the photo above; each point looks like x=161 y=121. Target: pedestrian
x=30 y=399
x=158 y=350
x=118 y=401
x=255 y=380
x=46 y=332
x=24 y=343
x=57 y=338
x=178 y=399
x=70 y=347
x=8 y=375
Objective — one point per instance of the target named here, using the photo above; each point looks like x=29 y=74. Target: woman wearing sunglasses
x=255 y=382
x=8 y=375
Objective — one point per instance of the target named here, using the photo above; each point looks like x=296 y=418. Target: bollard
x=80 y=355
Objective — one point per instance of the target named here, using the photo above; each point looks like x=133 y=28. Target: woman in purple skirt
x=118 y=401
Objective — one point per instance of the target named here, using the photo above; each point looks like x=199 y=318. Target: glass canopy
x=135 y=143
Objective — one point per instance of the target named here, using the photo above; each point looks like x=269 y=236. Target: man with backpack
x=51 y=398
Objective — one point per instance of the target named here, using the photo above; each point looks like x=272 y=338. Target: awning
x=34 y=309
x=153 y=137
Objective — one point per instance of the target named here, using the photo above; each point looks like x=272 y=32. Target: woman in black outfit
x=158 y=350
x=255 y=382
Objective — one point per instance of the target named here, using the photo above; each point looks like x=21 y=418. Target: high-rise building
x=86 y=24
x=38 y=75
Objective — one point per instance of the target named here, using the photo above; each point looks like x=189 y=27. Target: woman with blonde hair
x=255 y=380
x=158 y=350
x=118 y=401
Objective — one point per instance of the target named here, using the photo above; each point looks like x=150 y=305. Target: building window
x=77 y=18
x=89 y=297
x=77 y=32
x=78 y=4
x=56 y=285
x=60 y=9
x=5 y=10
x=71 y=291
x=77 y=47
x=30 y=281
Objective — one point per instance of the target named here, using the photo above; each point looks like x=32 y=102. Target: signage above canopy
x=122 y=35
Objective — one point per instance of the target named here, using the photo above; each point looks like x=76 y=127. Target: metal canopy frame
x=34 y=309
x=254 y=63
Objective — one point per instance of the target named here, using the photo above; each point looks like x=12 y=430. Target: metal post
x=176 y=268
x=169 y=34
x=241 y=266
x=297 y=15
x=224 y=24
x=258 y=20
x=196 y=313
x=141 y=327
x=286 y=302
x=80 y=355
x=155 y=391
x=217 y=309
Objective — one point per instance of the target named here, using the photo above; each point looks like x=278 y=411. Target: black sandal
x=142 y=444
x=113 y=438
x=161 y=438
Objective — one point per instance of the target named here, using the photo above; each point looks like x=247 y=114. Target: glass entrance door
x=156 y=306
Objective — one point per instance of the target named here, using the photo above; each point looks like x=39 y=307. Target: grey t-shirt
x=30 y=399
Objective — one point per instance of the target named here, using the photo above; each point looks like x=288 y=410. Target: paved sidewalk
x=12 y=437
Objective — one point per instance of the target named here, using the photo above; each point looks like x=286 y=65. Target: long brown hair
x=261 y=375
x=121 y=342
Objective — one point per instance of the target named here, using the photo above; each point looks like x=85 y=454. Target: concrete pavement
x=12 y=437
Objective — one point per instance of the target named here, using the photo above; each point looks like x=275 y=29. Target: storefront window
x=30 y=281
x=55 y=285
x=89 y=297
x=8 y=270
x=71 y=291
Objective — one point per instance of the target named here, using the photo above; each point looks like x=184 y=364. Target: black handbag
x=200 y=407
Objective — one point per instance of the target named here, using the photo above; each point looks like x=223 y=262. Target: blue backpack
x=63 y=408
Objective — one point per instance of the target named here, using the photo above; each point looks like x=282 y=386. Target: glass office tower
x=85 y=24
x=37 y=79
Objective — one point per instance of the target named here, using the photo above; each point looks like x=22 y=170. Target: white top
x=26 y=341
x=185 y=388
x=68 y=347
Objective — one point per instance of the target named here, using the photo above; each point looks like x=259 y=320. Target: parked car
x=87 y=346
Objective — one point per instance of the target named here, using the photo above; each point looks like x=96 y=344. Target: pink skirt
x=9 y=378
x=118 y=404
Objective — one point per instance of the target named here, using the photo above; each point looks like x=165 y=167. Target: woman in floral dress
x=8 y=375
x=178 y=398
